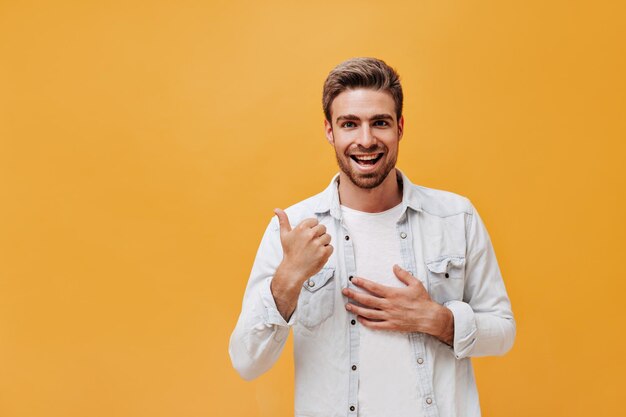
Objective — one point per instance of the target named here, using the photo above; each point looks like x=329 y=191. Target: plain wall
x=144 y=144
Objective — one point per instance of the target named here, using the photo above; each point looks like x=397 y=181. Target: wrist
x=283 y=284
x=444 y=325
x=285 y=288
x=290 y=277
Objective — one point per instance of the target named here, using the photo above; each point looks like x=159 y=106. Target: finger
x=308 y=223
x=283 y=221
x=404 y=275
x=373 y=287
x=365 y=299
x=324 y=240
x=370 y=313
x=376 y=324
x=319 y=230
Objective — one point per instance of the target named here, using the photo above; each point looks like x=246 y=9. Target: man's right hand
x=306 y=248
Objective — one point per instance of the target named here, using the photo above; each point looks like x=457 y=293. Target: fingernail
x=348 y=307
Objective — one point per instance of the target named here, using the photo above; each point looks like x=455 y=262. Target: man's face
x=365 y=134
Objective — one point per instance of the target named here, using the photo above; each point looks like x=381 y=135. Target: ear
x=400 y=127
x=328 y=130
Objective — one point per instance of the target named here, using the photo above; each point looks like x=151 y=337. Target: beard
x=371 y=179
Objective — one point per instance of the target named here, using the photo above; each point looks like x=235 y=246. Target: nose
x=366 y=137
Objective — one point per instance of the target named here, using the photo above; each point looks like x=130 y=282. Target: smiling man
x=390 y=287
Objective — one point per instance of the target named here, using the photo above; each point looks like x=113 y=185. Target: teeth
x=366 y=157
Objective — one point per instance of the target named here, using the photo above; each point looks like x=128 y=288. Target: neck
x=373 y=200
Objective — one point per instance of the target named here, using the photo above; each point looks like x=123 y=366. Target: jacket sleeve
x=483 y=321
x=261 y=332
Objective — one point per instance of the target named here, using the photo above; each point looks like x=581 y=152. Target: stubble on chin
x=365 y=181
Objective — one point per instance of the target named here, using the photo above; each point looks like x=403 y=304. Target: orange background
x=144 y=144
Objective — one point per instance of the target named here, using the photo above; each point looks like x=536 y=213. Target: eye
x=348 y=124
x=381 y=123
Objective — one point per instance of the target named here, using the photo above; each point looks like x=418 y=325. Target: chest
x=431 y=247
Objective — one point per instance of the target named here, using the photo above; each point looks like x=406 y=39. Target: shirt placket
x=350 y=265
x=424 y=382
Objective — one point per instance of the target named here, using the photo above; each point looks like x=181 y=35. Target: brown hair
x=362 y=73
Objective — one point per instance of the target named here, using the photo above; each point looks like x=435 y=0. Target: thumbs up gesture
x=306 y=247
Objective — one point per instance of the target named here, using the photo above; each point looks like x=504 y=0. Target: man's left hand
x=404 y=309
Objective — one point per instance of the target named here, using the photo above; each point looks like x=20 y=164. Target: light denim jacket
x=444 y=243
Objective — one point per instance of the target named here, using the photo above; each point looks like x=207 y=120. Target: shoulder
x=441 y=203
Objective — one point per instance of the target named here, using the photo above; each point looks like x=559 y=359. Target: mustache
x=372 y=149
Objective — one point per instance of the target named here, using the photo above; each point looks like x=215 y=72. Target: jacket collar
x=329 y=201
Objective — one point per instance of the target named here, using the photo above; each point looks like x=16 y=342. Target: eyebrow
x=383 y=116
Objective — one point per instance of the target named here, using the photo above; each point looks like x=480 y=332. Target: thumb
x=404 y=275
x=283 y=221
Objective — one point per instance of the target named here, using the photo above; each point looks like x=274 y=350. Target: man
x=390 y=287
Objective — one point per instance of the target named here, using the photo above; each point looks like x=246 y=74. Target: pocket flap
x=318 y=280
x=442 y=265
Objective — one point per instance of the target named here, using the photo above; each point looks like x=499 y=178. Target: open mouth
x=367 y=160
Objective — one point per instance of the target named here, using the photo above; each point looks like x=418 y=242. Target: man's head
x=363 y=107
x=356 y=73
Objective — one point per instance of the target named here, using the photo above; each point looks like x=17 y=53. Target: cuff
x=272 y=315
x=464 y=328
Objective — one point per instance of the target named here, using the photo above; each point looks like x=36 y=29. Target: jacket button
x=350 y=277
x=354 y=367
x=347 y=237
x=353 y=322
x=351 y=408
x=447 y=275
x=311 y=284
x=429 y=401
x=420 y=361
x=403 y=235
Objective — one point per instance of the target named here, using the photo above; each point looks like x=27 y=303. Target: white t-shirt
x=388 y=375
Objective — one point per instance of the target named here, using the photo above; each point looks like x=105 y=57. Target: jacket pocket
x=317 y=298
x=446 y=278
